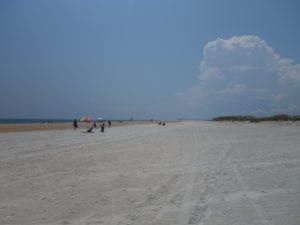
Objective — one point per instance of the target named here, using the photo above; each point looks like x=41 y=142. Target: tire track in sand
x=198 y=210
x=137 y=212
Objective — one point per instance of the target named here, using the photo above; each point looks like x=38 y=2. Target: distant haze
x=143 y=59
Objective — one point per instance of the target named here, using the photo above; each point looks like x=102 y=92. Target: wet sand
x=204 y=173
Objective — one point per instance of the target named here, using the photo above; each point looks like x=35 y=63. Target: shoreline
x=10 y=128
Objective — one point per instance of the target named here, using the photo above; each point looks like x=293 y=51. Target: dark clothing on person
x=102 y=127
x=75 y=124
x=109 y=123
x=90 y=130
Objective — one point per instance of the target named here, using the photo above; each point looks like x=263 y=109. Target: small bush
x=279 y=117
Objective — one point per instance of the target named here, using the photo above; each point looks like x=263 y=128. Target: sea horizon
x=28 y=121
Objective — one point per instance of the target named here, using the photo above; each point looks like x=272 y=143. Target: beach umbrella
x=85 y=119
x=100 y=118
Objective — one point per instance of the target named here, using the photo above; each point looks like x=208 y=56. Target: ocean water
x=19 y=121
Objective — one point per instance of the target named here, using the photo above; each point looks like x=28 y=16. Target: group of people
x=161 y=123
x=90 y=130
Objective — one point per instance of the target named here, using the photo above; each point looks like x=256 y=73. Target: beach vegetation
x=278 y=117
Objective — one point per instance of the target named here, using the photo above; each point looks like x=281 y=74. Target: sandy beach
x=185 y=173
x=4 y=128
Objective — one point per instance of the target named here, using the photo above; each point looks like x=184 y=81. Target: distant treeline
x=280 y=117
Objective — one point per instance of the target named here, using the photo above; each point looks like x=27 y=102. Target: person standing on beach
x=75 y=124
x=102 y=127
x=109 y=123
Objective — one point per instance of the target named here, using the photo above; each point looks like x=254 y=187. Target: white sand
x=185 y=173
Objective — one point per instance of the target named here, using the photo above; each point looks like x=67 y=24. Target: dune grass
x=279 y=117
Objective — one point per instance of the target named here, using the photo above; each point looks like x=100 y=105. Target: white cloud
x=241 y=68
x=209 y=72
x=288 y=71
x=245 y=53
x=244 y=74
x=236 y=89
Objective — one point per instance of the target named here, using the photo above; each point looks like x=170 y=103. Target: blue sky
x=149 y=59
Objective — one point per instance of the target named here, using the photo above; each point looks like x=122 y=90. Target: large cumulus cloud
x=243 y=75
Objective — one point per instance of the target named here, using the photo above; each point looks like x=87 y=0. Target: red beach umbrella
x=85 y=119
